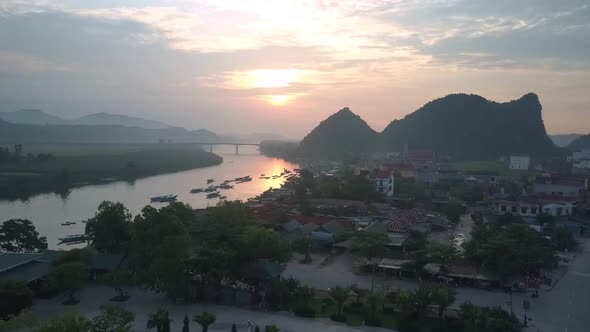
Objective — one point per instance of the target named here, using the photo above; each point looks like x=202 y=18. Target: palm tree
x=185 y=324
x=340 y=295
x=374 y=300
x=159 y=320
x=306 y=294
x=443 y=297
x=205 y=319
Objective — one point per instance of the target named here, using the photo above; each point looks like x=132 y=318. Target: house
x=519 y=162
x=385 y=183
x=561 y=187
x=524 y=206
x=581 y=155
x=558 y=209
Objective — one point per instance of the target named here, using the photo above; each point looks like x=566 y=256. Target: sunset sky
x=282 y=66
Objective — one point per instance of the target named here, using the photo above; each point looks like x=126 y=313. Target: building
x=581 y=155
x=568 y=188
x=385 y=183
x=519 y=162
x=582 y=164
x=404 y=170
x=526 y=207
x=558 y=209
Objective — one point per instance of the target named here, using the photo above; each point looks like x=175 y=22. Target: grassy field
x=73 y=165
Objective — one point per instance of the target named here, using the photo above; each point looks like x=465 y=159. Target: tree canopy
x=110 y=228
x=20 y=235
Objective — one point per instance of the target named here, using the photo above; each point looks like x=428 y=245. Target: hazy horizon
x=281 y=67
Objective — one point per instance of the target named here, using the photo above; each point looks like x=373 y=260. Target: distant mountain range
x=563 y=140
x=51 y=133
x=580 y=143
x=38 y=117
x=459 y=125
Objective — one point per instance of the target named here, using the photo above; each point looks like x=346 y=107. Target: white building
x=558 y=209
x=581 y=155
x=385 y=183
x=519 y=162
x=582 y=164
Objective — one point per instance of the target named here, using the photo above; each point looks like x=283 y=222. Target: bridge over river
x=237 y=145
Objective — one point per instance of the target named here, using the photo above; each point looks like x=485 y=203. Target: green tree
x=24 y=321
x=454 y=212
x=306 y=294
x=442 y=254
x=110 y=228
x=303 y=245
x=257 y=329
x=420 y=300
x=15 y=297
x=234 y=328
x=69 y=278
x=374 y=300
x=20 y=235
x=159 y=320
x=205 y=319
x=271 y=328
x=185 y=324
x=484 y=319
x=67 y=323
x=167 y=272
x=112 y=318
x=258 y=242
x=443 y=297
x=77 y=255
x=562 y=238
x=340 y=295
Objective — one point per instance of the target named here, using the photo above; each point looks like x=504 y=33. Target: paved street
x=565 y=308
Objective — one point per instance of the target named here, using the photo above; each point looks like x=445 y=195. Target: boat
x=262 y=174
x=198 y=190
x=68 y=223
x=210 y=181
x=225 y=186
x=222 y=197
x=213 y=195
x=73 y=239
x=244 y=179
x=164 y=199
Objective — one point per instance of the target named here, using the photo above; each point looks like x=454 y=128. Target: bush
x=305 y=311
x=15 y=296
x=372 y=321
x=338 y=318
x=47 y=289
x=354 y=308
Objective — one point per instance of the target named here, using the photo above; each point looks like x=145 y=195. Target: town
x=380 y=241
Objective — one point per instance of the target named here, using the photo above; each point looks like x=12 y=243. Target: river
x=48 y=211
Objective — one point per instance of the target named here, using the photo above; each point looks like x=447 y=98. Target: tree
x=271 y=328
x=15 y=296
x=562 y=238
x=420 y=300
x=370 y=245
x=234 y=328
x=185 y=324
x=69 y=278
x=442 y=254
x=340 y=295
x=82 y=256
x=484 y=319
x=20 y=235
x=112 y=318
x=306 y=294
x=205 y=319
x=443 y=297
x=24 y=321
x=374 y=300
x=454 y=211
x=257 y=329
x=167 y=272
x=303 y=245
x=110 y=228
x=67 y=323
x=258 y=242
x=159 y=320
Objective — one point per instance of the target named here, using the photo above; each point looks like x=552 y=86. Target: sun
x=278 y=100
x=272 y=78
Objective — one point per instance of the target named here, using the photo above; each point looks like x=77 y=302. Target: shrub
x=354 y=308
x=338 y=318
x=14 y=297
x=305 y=311
x=372 y=321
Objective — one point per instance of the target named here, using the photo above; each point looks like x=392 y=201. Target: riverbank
x=75 y=165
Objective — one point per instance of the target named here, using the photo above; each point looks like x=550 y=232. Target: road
x=565 y=308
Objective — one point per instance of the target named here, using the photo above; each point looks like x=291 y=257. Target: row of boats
x=68 y=223
x=214 y=191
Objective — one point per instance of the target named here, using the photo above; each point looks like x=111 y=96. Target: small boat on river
x=73 y=239
x=213 y=195
x=210 y=181
x=164 y=199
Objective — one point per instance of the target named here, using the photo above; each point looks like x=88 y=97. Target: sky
x=282 y=66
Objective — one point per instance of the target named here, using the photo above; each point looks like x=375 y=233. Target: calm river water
x=48 y=211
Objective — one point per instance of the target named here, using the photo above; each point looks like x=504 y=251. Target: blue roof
x=322 y=236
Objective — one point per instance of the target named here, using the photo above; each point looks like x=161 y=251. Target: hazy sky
x=283 y=65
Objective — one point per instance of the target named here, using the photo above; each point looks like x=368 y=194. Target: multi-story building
x=519 y=162
x=385 y=182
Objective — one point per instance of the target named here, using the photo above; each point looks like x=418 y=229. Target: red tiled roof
x=383 y=174
x=405 y=219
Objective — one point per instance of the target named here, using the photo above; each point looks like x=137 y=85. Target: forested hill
x=460 y=125
x=469 y=126
x=582 y=142
x=341 y=134
x=20 y=133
